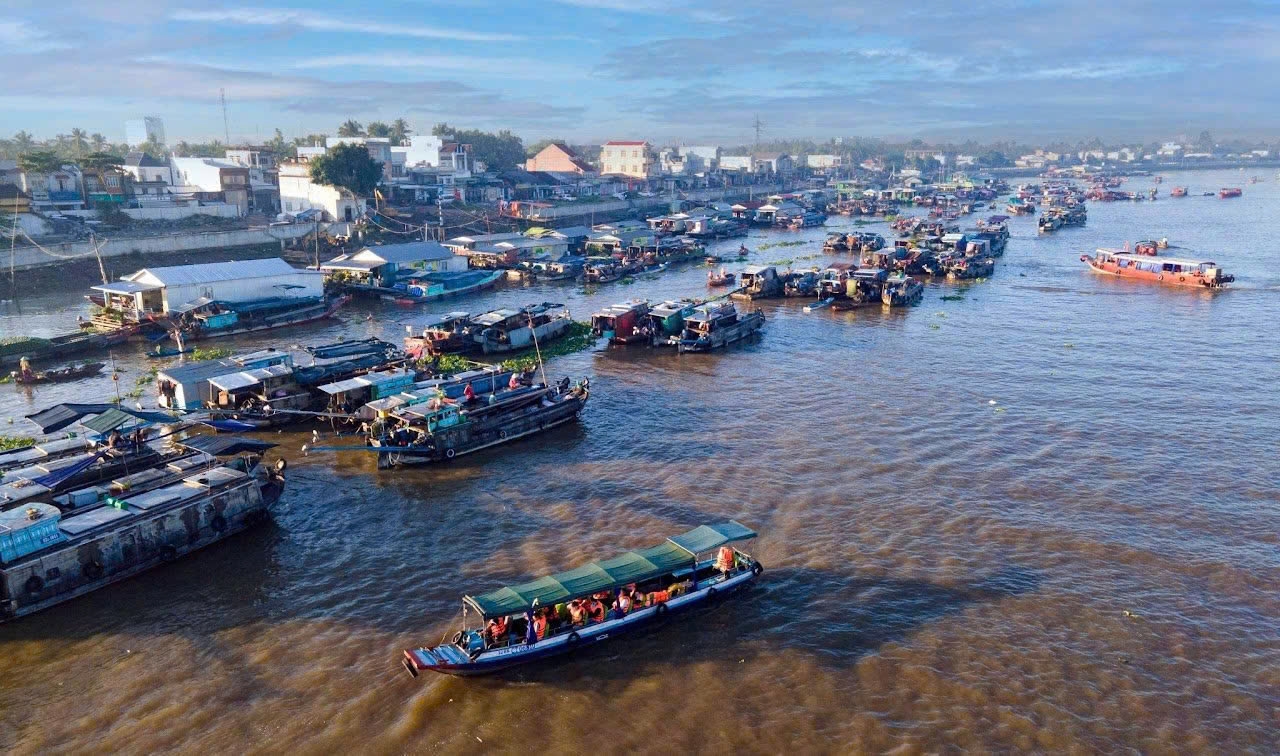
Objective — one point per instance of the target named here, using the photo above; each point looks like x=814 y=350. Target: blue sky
x=657 y=69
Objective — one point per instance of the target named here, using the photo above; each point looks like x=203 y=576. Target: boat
x=441 y=429
x=496 y=332
x=26 y=376
x=429 y=288
x=161 y=352
x=1150 y=247
x=1167 y=271
x=666 y=319
x=1229 y=192
x=712 y=326
x=758 y=282
x=500 y=629
x=901 y=291
x=89 y=537
x=623 y=323
x=598 y=270
x=723 y=278
x=968 y=268
x=36 y=349
x=1178 y=191
x=803 y=283
x=206 y=319
x=1018 y=206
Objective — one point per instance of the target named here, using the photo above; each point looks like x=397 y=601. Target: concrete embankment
x=27 y=257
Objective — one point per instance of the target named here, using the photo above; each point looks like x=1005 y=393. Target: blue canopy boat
x=535 y=620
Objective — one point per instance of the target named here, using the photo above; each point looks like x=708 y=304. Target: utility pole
x=758 y=125
x=226 y=129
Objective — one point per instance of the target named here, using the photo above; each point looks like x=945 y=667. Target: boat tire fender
x=457 y=638
x=34 y=585
x=756 y=569
x=1182 y=279
x=168 y=553
x=1159 y=278
x=502 y=434
x=218 y=523
x=573 y=638
x=450 y=453
x=92 y=570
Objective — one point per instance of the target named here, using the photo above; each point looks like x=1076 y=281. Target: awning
x=220 y=446
x=631 y=567
x=59 y=416
x=246 y=378
x=125 y=287
x=194 y=304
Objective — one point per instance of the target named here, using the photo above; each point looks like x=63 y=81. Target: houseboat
x=443 y=428
x=801 y=283
x=204 y=318
x=87 y=538
x=429 y=288
x=1178 y=191
x=712 y=326
x=624 y=323
x=36 y=350
x=598 y=270
x=442 y=333
x=1161 y=270
x=666 y=319
x=496 y=332
x=758 y=282
x=1229 y=192
x=968 y=268
x=563 y=613
x=1018 y=206
x=901 y=291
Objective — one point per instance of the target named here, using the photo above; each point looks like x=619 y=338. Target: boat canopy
x=632 y=567
x=247 y=378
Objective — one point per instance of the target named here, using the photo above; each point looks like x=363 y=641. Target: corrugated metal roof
x=177 y=275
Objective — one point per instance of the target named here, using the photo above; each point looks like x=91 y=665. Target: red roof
x=625 y=144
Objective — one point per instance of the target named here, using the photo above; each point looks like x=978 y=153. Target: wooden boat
x=35 y=349
x=901 y=291
x=207 y=319
x=1178 y=191
x=723 y=278
x=496 y=332
x=500 y=629
x=623 y=323
x=712 y=326
x=440 y=430
x=1166 y=271
x=440 y=285
x=758 y=282
x=802 y=283
x=26 y=376
x=1150 y=247
x=1230 y=192
x=971 y=267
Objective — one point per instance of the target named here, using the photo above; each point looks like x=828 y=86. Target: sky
x=663 y=70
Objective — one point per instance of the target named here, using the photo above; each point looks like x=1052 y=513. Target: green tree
x=351 y=129
x=40 y=161
x=442 y=130
x=499 y=152
x=280 y=146
x=101 y=161
x=400 y=130
x=378 y=129
x=79 y=141
x=98 y=141
x=541 y=145
x=23 y=142
x=347 y=166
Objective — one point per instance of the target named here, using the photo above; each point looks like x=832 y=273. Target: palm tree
x=378 y=129
x=98 y=141
x=23 y=142
x=79 y=141
x=182 y=148
x=351 y=129
x=400 y=130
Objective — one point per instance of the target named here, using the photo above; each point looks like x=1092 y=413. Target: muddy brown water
x=942 y=572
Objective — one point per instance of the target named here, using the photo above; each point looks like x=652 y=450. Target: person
x=595 y=610
x=577 y=613
x=468 y=394
x=514 y=383
x=725 y=560
x=496 y=630
x=624 y=603
x=540 y=624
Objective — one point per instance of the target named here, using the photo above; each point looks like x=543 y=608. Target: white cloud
x=20 y=37
x=507 y=68
x=317 y=21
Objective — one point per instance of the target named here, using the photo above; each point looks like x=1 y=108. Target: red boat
x=1178 y=191
x=1167 y=271
x=1228 y=192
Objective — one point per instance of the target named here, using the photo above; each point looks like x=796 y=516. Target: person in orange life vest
x=577 y=613
x=595 y=610
x=725 y=560
x=468 y=394
x=497 y=630
x=540 y=625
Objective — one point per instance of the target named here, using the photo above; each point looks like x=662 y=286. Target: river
x=1040 y=516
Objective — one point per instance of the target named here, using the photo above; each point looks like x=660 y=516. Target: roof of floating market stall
x=631 y=567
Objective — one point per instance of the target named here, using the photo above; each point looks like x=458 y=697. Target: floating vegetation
x=787 y=261
x=6 y=378
x=15 y=442
x=953 y=298
x=934 y=326
x=145 y=379
x=578 y=336
x=771 y=245
x=1068 y=345
x=627 y=281
x=215 y=353
x=941 y=314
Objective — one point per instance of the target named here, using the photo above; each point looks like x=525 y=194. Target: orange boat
x=1228 y=192
x=1168 y=271
x=1178 y=191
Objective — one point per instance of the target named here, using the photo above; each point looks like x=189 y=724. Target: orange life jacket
x=596 y=611
x=540 y=626
x=724 y=560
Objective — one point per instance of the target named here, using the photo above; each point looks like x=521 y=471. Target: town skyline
x=591 y=70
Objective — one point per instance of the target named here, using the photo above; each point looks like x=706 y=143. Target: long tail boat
x=522 y=623
x=1167 y=271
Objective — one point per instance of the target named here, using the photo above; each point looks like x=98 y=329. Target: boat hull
x=747 y=325
x=496 y=660
x=1183 y=280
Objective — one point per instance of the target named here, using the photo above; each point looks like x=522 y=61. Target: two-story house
x=53 y=191
x=151 y=177
x=633 y=159
x=212 y=178
x=264 y=177
x=298 y=193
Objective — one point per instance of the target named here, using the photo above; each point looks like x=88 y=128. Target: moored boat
x=1166 y=271
x=1178 y=191
x=25 y=375
x=712 y=326
x=547 y=617
x=901 y=291
x=623 y=323
x=1230 y=192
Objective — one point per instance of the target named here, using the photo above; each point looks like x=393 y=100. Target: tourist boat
x=1229 y=192
x=500 y=628
x=25 y=375
x=712 y=326
x=496 y=332
x=442 y=429
x=206 y=319
x=901 y=291
x=623 y=323
x=1178 y=191
x=90 y=537
x=968 y=268
x=429 y=288
x=1162 y=270
x=723 y=278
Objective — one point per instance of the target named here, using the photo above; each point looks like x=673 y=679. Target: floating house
x=169 y=290
x=384 y=266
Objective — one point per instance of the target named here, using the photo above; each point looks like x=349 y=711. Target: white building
x=384 y=265
x=140 y=130
x=209 y=176
x=736 y=163
x=164 y=290
x=823 y=162
x=627 y=158
x=299 y=193
x=422 y=150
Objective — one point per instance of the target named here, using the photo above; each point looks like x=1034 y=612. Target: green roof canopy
x=631 y=567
